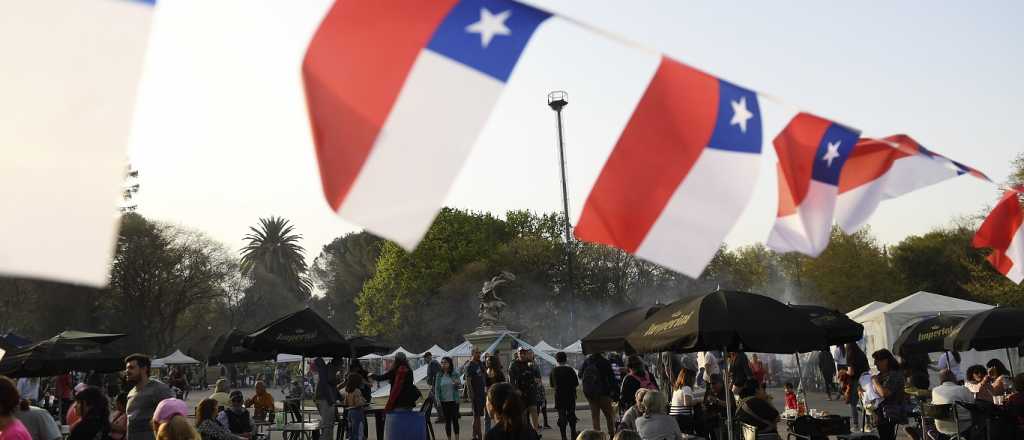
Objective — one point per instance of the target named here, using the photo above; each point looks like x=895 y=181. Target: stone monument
x=491 y=328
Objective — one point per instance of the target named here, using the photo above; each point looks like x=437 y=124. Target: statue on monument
x=490 y=304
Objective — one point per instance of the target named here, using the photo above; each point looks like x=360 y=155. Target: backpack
x=594 y=385
x=645 y=382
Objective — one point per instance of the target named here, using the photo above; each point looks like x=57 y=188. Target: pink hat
x=168 y=408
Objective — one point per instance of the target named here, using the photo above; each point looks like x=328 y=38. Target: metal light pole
x=557 y=100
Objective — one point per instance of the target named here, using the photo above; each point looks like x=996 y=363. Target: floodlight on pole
x=557 y=100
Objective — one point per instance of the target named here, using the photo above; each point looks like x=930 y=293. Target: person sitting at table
x=979 y=383
x=629 y=417
x=1015 y=403
x=655 y=424
x=293 y=400
x=208 y=426
x=94 y=411
x=1001 y=380
x=950 y=393
x=235 y=417
x=262 y=403
x=354 y=401
x=169 y=421
x=682 y=394
x=755 y=411
x=220 y=394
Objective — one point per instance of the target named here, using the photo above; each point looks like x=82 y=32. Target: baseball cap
x=168 y=408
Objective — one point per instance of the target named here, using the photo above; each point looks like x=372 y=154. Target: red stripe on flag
x=998 y=230
x=669 y=129
x=871 y=159
x=353 y=71
x=797 y=148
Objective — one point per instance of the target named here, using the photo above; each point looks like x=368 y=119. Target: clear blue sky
x=215 y=149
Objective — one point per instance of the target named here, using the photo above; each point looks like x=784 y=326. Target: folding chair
x=428 y=404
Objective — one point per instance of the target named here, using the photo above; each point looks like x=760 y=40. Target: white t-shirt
x=870 y=396
x=839 y=356
x=948 y=362
x=680 y=394
x=947 y=393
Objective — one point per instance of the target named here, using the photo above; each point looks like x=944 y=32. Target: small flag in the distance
x=811 y=153
x=1003 y=231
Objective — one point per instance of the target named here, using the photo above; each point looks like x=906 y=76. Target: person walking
x=63 y=386
x=827 y=368
x=494 y=374
x=524 y=377
x=433 y=368
x=599 y=387
x=856 y=367
x=446 y=392
x=143 y=398
x=707 y=364
x=326 y=395
x=473 y=371
x=563 y=380
x=355 y=405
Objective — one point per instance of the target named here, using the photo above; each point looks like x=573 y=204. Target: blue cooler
x=405 y=425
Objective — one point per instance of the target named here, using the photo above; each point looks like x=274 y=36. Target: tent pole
x=1009 y=361
x=728 y=393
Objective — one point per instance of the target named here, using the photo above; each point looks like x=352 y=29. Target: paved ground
x=815 y=400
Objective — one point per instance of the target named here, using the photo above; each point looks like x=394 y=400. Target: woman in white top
x=682 y=391
x=950 y=360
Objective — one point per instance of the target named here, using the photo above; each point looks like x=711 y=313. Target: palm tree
x=274 y=250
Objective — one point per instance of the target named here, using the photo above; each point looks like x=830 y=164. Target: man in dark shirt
x=524 y=377
x=563 y=380
x=739 y=370
x=600 y=388
x=474 y=371
x=433 y=369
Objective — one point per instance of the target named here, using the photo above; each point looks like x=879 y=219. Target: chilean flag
x=681 y=172
x=881 y=169
x=398 y=92
x=1003 y=231
x=811 y=153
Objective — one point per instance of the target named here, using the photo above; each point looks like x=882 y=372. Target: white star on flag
x=832 y=153
x=740 y=114
x=489 y=26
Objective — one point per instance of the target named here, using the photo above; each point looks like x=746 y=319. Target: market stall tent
x=176 y=358
x=883 y=325
x=436 y=351
x=865 y=309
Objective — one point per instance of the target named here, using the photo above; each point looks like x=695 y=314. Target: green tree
x=340 y=271
x=938 y=261
x=273 y=249
x=853 y=270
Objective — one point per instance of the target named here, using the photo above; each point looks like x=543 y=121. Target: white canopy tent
x=176 y=358
x=865 y=309
x=547 y=348
x=408 y=354
x=884 y=324
x=435 y=351
x=574 y=348
x=370 y=356
x=465 y=349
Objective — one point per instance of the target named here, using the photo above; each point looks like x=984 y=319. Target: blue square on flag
x=834 y=148
x=738 y=125
x=487 y=35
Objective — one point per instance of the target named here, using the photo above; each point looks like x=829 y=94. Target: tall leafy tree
x=340 y=271
x=273 y=258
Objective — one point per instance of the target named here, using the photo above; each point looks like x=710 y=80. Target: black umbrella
x=228 y=349
x=59 y=355
x=99 y=338
x=839 y=328
x=11 y=342
x=1000 y=327
x=727 y=320
x=610 y=335
x=364 y=345
x=303 y=332
x=926 y=335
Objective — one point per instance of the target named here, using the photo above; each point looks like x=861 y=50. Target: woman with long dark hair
x=979 y=383
x=1000 y=376
x=446 y=391
x=401 y=420
x=508 y=411
x=494 y=373
x=94 y=409
x=889 y=384
x=856 y=367
x=10 y=427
